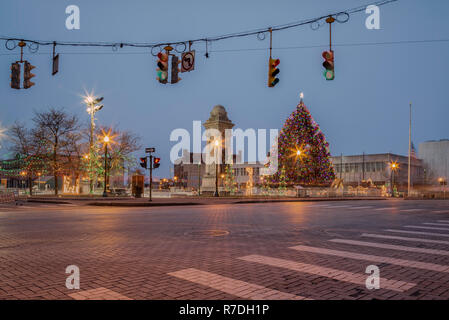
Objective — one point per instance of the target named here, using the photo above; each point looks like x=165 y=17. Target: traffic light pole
x=151 y=175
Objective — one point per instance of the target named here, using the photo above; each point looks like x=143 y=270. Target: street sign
x=55 y=65
x=188 y=61
x=149 y=150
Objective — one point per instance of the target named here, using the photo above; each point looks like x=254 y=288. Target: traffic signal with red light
x=156 y=162
x=27 y=75
x=15 y=75
x=273 y=71
x=328 y=64
x=162 y=70
x=143 y=162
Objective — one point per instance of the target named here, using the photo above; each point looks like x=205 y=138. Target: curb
x=142 y=204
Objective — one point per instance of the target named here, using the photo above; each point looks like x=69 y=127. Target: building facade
x=435 y=156
x=354 y=169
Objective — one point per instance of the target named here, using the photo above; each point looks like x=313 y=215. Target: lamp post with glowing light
x=106 y=142
x=38 y=181
x=443 y=183
x=394 y=166
x=92 y=108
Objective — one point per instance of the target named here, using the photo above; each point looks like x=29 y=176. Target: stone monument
x=219 y=122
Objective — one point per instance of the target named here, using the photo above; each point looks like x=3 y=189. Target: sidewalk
x=179 y=201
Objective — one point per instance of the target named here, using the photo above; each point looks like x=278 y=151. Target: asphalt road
x=303 y=250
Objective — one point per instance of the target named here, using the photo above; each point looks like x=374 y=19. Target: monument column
x=219 y=122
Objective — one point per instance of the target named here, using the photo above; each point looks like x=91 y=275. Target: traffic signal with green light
x=15 y=75
x=156 y=162
x=273 y=71
x=27 y=75
x=328 y=64
x=162 y=70
x=143 y=162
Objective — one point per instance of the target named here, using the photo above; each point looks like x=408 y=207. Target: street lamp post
x=199 y=178
x=443 y=183
x=106 y=141
x=92 y=108
x=393 y=166
x=216 y=194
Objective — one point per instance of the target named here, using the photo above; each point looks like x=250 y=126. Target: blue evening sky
x=365 y=109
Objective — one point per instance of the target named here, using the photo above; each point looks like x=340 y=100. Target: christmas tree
x=303 y=153
x=229 y=180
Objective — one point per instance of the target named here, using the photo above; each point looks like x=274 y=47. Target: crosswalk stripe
x=430 y=228
x=378 y=259
x=340 y=206
x=440 y=211
x=380 y=236
x=319 y=205
x=234 y=287
x=360 y=208
x=443 y=221
x=382 y=209
x=391 y=247
x=436 y=224
x=411 y=210
x=340 y=275
x=419 y=232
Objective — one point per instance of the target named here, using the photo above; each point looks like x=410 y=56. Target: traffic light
x=143 y=162
x=15 y=75
x=174 y=69
x=27 y=75
x=162 y=70
x=156 y=162
x=273 y=71
x=328 y=64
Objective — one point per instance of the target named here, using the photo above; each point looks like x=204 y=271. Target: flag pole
x=409 y=149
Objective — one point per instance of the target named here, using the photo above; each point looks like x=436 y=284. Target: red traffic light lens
x=275 y=63
x=328 y=55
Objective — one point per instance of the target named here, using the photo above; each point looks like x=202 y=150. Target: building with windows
x=354 y=169
x=189 y=174
x=435 y=157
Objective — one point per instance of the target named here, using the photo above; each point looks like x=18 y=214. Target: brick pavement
x=137 y=253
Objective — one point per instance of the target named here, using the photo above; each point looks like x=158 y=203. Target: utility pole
x=409 y=151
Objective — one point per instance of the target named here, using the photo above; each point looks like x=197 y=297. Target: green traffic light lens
x=329 y=75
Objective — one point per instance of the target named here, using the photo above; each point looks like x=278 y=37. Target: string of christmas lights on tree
x=303 y=152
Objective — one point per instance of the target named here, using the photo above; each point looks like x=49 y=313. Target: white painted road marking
x=430 y=228
x=419 y=232
x=391 y=247
x=340 y=275
x=359 y=208
x=436 y=224
x=443 y=221
x=377 y=259
x=411 y=210
x=380 y=236
x=382 y=209
x=234 y=287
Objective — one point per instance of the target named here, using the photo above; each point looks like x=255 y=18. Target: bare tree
x=30 y=150
x=121 y=147
x=54 y=128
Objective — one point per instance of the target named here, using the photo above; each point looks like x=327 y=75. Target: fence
x=8 y=197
